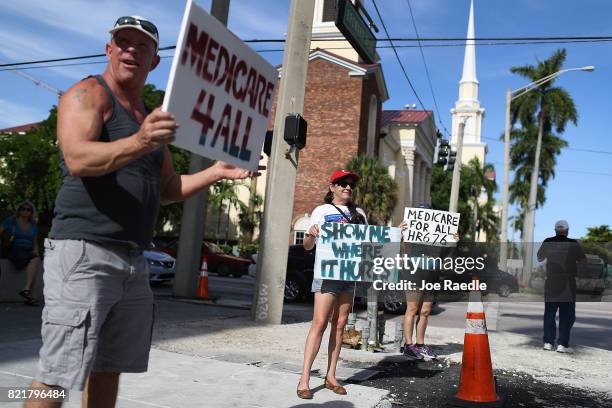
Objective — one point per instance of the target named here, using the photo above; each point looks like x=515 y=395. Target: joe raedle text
x=447 y=284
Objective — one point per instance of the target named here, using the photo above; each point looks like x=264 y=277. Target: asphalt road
x=593 y=325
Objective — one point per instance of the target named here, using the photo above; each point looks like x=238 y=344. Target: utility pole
x=194 y=208
x=454 y=195
x=503 y=241
x=280 y=184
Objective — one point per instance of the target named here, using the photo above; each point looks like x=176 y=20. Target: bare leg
x=101 y=390
x=422 y=323
x=412 y=309
x=323 y=305
x=30 y=270
x=42 y=404
x=339 y=318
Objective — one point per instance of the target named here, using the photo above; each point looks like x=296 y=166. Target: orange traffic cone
x=477 y=384
x=203 y=282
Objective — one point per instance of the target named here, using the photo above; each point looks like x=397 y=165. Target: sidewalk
x=207 y=355
x=177 y=380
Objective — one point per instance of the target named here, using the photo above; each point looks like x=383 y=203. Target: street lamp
x=528 y=222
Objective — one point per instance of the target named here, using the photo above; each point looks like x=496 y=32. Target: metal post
x=503 y=241
x=194 y=209
x=529 y=221
x=454 y=196
x=280 y=188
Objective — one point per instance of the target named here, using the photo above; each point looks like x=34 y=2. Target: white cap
x=561 y=225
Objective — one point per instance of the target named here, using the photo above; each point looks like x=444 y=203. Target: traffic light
x=441 y=152
x=450 y=161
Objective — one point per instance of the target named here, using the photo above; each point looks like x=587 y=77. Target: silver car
x=162 y=267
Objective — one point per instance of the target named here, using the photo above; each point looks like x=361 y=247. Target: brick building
x=342 y=107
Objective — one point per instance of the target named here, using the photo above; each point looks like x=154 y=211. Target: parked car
x=218 y=261
x=162 y=267
x=300 y=270
x=591 y=275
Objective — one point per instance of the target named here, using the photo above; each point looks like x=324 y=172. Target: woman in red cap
x=331 y=296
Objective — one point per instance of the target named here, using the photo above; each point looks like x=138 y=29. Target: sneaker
x=563 y=349
x=427 y=352
x=548 y=346
x=412 y=352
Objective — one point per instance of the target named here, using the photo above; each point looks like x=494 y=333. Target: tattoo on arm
x=78 y=93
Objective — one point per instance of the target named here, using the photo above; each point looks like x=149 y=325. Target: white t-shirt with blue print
x=328 y=213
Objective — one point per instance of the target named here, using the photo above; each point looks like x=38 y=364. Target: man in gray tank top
x=116 y=170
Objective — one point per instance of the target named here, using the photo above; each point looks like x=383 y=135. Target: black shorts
x=20 y=256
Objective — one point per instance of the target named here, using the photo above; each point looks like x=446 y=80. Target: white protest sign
x=346 y=252
x=430 y=226
x=220 y=92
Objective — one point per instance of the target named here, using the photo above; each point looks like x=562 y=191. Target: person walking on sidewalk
x=116 y=170
x=561 y=254
x=331 y=297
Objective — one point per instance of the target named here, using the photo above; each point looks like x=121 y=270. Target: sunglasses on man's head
x=131 y=21
x=344 y=183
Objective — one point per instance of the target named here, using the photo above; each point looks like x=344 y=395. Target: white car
x=162 y=267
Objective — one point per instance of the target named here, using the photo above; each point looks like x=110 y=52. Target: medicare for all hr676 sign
x=220 y=92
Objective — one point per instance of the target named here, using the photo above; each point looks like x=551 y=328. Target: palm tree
x=546 y=107
x=522 y=156
x=472 y=185
x=376 y=192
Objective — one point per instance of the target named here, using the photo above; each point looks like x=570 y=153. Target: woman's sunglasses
x=344 y=183
x=26 y=209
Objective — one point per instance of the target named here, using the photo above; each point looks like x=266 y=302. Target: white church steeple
x=469 y=60
x=468 y=106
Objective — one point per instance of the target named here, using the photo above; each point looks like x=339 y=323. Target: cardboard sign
x=347 y=251
x=220 y=92
x=430 y=226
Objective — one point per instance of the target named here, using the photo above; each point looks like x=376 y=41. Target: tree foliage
x=29 y=167
x=598 y=241
x=472 y=186
x=376 y=191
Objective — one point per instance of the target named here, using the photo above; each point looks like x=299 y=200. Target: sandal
x=29 y=300
x=304 y=394
x=26 y=293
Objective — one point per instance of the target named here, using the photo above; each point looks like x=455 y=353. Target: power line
x=433 y=95
x=397 y=56
x=565 y=148
x=462 y=39
x=593 y=173
x=6 y=67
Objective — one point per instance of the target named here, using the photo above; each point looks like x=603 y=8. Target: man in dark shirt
x=117 y=169
x=561 y=254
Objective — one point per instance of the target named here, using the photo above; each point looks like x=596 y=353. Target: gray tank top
x=118 y=208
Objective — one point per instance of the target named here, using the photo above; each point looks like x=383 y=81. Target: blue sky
x=581 y=190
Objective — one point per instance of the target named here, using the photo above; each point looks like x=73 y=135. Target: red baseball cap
x=342 y=173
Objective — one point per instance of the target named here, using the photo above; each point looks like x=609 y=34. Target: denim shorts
x=98 y=313
x=332 y=286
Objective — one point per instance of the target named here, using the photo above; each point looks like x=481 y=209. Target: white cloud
x=14 y=114
x=93 y=19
